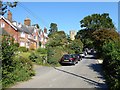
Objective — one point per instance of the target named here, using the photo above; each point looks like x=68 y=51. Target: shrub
x=13 y=67
x=17 y=44
x=38 y=58
x=42 y=50
x=33 y=57
x=54 y=55
x=23 y=49
x=22 y=65
x=8 y=49
x=111 y=64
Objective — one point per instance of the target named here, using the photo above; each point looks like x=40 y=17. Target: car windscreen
x=66 y=56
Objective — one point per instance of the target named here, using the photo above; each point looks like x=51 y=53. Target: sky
x=66 y=15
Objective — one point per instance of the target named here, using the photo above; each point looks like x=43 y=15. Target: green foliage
x=17 y=44
x=111 y=64
x=13 y=67
x=101 y=37
x=91 y=24
x=59 y=44
x=22 y=49
x=54 y=55
x=76 y=46
x=42 y=50
x=57 y=39
x=8 y=49
x=53 y=28
x=99 y=32
x=33 y=57
x=97 y=21
x=38 y=58
x=21 y=65
x=85 y=36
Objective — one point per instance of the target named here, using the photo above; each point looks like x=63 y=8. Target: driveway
x=86 y=74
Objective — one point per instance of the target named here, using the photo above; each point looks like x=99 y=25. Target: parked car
x=82 y=54
x=78 y=56
x=69 y=59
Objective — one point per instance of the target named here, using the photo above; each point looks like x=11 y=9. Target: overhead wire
x=32 y=14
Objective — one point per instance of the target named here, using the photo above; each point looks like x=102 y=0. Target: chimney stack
x=45 y=30
x=9 y=16
x=27 y=22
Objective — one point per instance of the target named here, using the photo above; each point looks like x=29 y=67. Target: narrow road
x=86 y=74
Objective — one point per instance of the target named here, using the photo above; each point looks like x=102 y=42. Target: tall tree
x=57 y=39
x=53 y=28
x=97 y=21
x=85 y=36
x=5 y=5
x=92 y=23
x=101 y=37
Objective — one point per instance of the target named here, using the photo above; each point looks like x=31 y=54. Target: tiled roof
x=8 y=22
x=26 y=29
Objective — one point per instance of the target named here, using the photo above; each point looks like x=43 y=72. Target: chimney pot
x=27 y=22
x=45 y=30
x=9 y=16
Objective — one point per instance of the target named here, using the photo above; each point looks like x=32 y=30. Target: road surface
x=86 y=74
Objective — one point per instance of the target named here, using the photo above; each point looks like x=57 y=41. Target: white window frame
x=29 y=36
x=22 y=34
x=22 y=44
x=35 y=37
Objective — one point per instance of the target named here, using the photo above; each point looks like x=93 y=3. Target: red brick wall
x=10 y=30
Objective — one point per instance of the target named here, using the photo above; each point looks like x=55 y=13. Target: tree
x=55 y=46
x=76 y=46
x=57 y=39
x=97 y=21
x=92 y=23
x=85 y=36
x=5 y=5
x=53 y=28
x=101 y=37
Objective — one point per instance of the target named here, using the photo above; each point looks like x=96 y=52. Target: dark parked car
x=69 y=59
x=78 y=56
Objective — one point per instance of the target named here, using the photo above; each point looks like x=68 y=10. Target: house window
x=22 y=44
x=35 y=30
x=42 y=39
x=29 y=36
x=22 y=34
x=2 y=25
x=35 y=37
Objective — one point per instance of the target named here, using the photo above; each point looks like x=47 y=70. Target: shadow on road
x=100 y=85
x=97 y=68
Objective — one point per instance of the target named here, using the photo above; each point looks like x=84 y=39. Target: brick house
x=43 y=37
x=26 y=35
x=9 y=27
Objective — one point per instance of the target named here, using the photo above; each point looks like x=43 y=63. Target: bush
x=111 y=64
x=22 y=49
x=38 y=58
x=17 y=44
x=42 y=50
x=54 y=55
x=13 y=67
x=33 y=57
x=22 y=65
